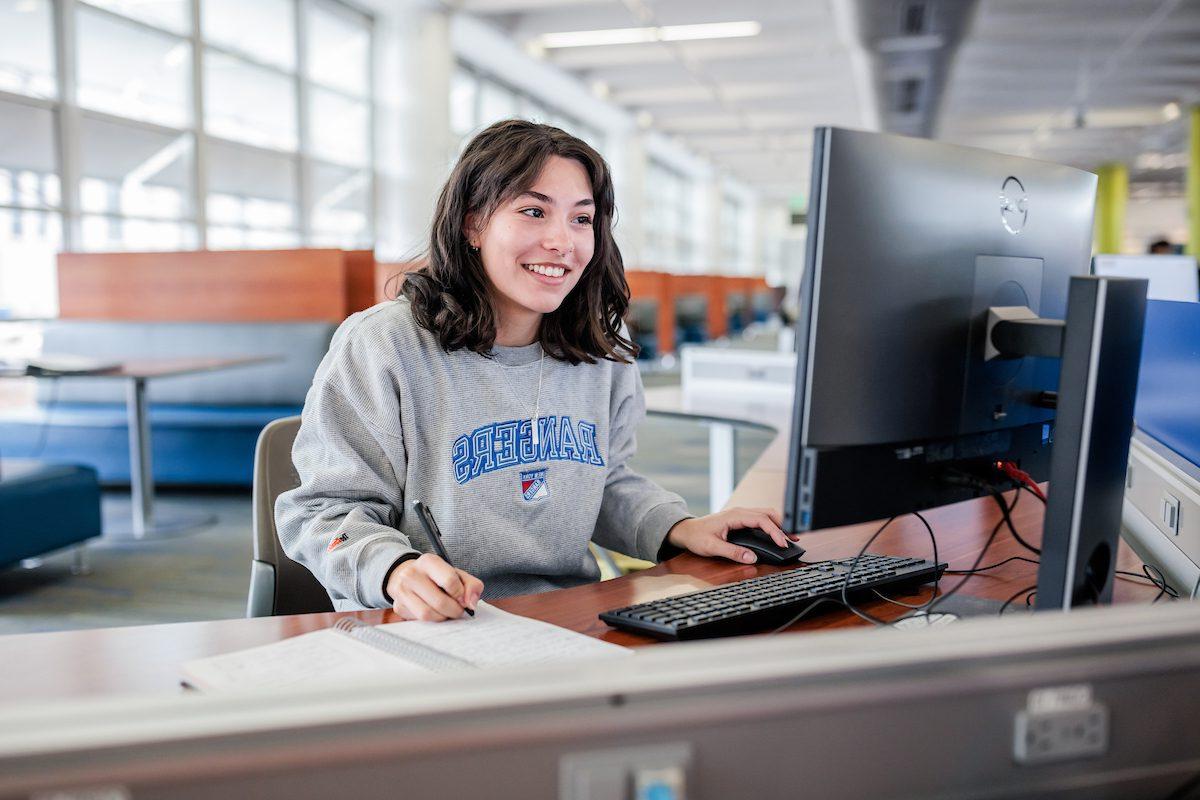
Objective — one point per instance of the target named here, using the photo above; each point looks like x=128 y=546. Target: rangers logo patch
x=533 y=485
x=337 y=540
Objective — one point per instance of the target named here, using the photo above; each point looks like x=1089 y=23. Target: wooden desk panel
x=210 y=286
x=360 y=279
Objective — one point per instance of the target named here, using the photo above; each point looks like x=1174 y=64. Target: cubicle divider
x=217 y=286
x=665 y=289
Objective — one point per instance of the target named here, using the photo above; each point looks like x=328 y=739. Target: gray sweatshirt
x=392 y=417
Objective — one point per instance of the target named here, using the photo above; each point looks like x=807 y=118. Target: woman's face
x=535 y=246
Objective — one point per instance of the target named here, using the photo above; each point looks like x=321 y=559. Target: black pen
x=435 y=537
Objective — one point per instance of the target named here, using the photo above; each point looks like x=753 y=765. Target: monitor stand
x=1101 y=347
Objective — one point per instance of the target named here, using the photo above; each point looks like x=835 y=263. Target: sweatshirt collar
x=517 y=356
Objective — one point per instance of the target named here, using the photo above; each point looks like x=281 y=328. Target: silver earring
x=473 y=248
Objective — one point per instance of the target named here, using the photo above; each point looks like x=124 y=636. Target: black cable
x=901 y=603
x=992 y=566
x=854 y=565
x=1013 y=599
x=801 y=615
x=1029 y=489
x=1155 y=576
x=923 y=608
x=991 y=538
x=1005 y=510
x=1016 y=499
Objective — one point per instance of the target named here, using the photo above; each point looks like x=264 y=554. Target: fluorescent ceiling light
x=665 y=33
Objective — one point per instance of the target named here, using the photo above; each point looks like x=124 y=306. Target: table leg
x=722 y=463
x=141 y=475
x=141 y=523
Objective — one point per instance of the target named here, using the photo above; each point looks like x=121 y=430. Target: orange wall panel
x=204 y=286
x=389 y=276
x=360 y=279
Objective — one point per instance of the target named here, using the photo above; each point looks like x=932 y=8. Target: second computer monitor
x=910 y=242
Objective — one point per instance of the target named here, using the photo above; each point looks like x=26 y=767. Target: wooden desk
x=147 y=658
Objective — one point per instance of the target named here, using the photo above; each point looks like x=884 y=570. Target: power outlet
x=1060 y=735
x=1168 y=510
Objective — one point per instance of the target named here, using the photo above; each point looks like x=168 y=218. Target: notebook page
x=316 y=657
x=498 y=638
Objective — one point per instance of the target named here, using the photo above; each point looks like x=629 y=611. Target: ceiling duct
x=910 y=45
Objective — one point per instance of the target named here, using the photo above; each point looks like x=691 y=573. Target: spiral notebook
x=350 y=650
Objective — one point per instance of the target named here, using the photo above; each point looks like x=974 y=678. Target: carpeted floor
x=205 y=574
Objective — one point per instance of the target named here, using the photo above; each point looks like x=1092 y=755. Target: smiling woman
x=438 y=396
x=524 y=202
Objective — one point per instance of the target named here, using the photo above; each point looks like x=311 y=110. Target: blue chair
x=45 y=507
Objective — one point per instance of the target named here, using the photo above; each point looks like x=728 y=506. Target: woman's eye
x=536 y=213
x=584 y=219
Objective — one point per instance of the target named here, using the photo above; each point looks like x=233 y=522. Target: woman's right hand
x=429 y=589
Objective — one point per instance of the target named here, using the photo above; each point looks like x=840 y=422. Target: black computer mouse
x=764 y=547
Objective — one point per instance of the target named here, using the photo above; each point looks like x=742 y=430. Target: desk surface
x=155 y=367
x=147 y=658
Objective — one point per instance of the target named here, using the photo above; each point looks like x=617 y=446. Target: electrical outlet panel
x=1060 y=724
x=653 y=772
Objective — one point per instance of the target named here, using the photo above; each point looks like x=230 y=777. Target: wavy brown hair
x=451 y=295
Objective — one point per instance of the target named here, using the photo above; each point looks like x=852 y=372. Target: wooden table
x=147 y=658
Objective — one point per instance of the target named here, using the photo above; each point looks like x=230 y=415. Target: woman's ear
x=471 y=229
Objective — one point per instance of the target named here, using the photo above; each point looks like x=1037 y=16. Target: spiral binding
x=393 y=644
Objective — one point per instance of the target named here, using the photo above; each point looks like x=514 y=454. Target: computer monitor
x=898 y=406
x=1171 y=277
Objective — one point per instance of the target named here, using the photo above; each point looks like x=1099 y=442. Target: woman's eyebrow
x=587 y=201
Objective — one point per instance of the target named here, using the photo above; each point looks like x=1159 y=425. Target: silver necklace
x=537 y=402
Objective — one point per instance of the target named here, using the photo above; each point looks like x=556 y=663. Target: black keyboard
x=767 y=601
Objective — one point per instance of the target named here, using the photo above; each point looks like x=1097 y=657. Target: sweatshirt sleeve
x=636 y=513
x=340 y=522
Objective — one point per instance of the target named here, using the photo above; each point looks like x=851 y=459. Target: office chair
x=278 y=585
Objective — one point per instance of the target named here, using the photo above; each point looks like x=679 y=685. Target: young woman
x=499 y=390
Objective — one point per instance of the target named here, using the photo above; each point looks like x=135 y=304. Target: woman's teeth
x=542 y=269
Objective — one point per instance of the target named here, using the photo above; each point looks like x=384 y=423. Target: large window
x=734 y=243
x=31 y=218
x=251 y=129
x=668 y=219
x=477 y=100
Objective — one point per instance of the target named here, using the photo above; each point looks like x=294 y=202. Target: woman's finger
x=474 y=588
x=732 y=552
x=435 y=597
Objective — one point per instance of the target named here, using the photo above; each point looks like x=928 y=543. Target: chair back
x=278 y=585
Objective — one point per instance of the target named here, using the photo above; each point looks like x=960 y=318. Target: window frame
x=68 y=116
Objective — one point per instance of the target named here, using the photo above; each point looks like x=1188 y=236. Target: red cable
x=1021 y=476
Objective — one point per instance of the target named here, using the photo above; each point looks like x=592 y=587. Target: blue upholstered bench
x=203 y=427
x=45 y=507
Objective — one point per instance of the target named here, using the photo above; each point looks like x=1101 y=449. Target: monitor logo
x=1014 y=205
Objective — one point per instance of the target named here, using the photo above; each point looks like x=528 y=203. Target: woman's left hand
x=705 y=536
